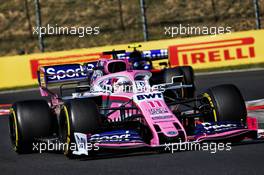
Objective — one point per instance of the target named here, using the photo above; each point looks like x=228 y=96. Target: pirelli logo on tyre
x=210 y=54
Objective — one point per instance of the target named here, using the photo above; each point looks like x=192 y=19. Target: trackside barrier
x=200 y=52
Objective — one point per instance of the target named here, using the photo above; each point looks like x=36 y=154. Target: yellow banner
x=199 y=52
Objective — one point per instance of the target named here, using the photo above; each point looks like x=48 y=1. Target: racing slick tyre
x=188 y=79
x=29 y=121
x=227 y=104
x=77 y=115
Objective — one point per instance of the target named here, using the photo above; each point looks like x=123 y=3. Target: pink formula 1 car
x=113 y=106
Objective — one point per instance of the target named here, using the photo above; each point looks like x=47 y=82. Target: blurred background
x=120 y=21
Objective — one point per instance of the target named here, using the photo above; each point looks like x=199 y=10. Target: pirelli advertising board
x=200 y=52
x=217 y=53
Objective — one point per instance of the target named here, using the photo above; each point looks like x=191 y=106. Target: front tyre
x=77 y=115
x=226 y=103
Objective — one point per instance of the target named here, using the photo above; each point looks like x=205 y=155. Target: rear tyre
x=227 y=104
x=188 y=79
x=77 y=115
x=28 y=121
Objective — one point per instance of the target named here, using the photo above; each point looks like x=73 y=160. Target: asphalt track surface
x=242 y=159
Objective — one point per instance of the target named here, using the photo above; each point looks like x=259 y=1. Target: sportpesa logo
x=67 y=72
x=113 y=136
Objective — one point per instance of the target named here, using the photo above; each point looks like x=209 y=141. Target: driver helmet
x=123 y=84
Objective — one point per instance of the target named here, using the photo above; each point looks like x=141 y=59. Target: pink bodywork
x=165 y=120
x=166 y=125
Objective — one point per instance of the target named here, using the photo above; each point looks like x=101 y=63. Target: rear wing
x=64 y=73
x=157 y=54
x=77 y=72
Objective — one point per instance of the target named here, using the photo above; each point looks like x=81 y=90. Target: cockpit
x=129 y=81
